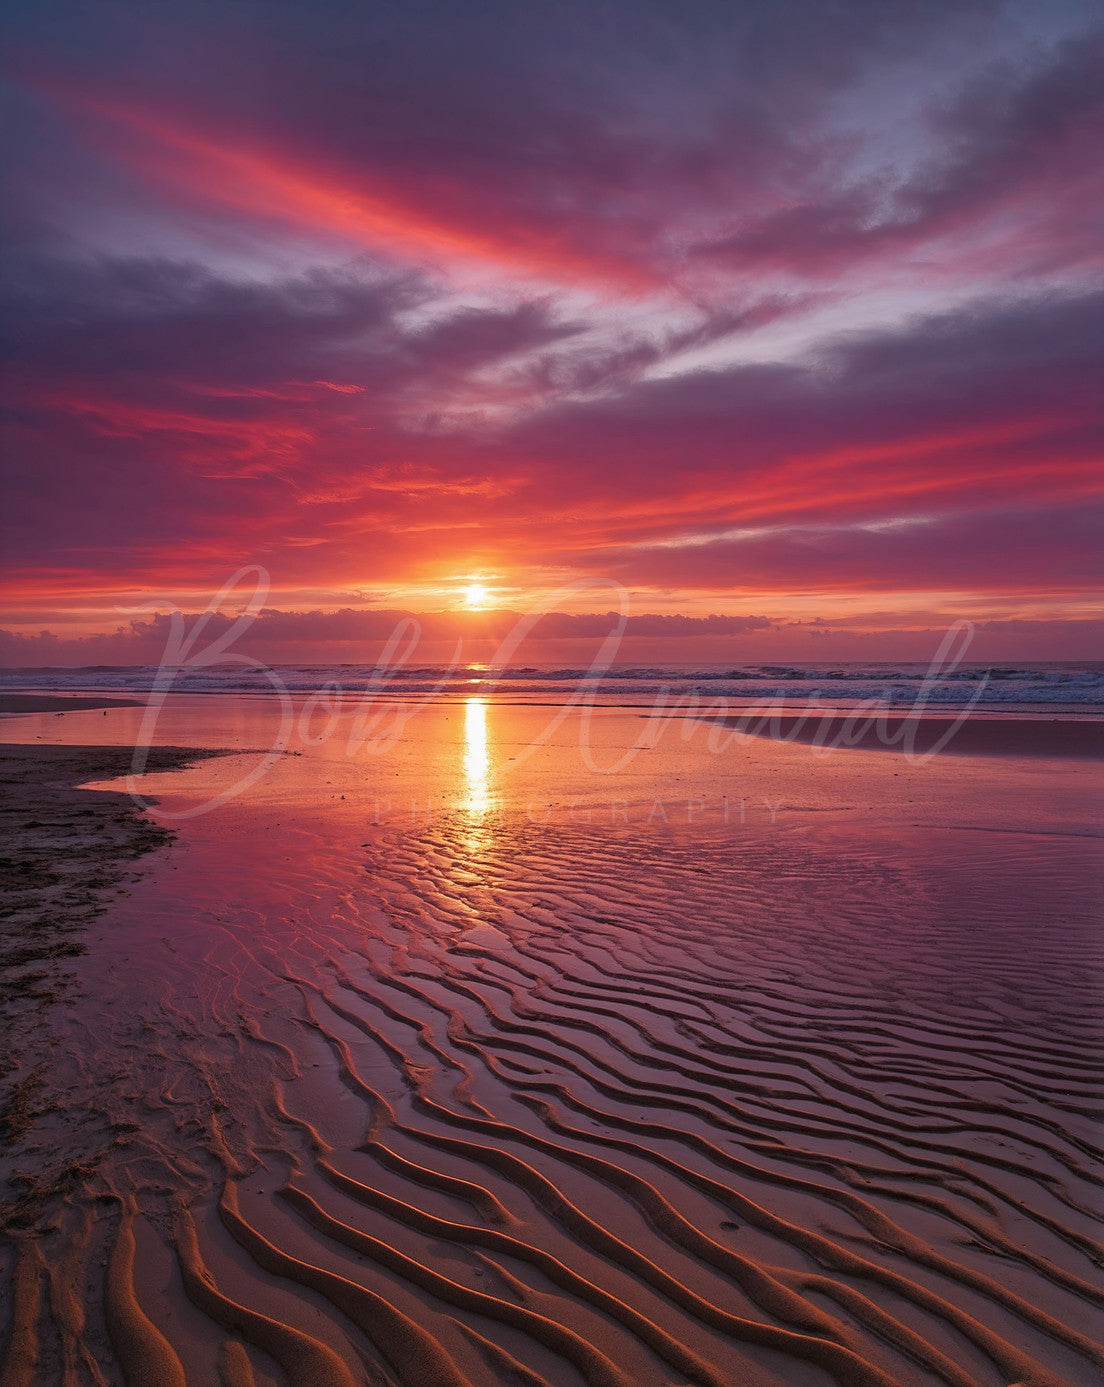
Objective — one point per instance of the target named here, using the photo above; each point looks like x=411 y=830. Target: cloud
x=1014 y=147
x=1057 y=551
x=158 y=409
x=349 y=637
x=773 y=297
x=596 y=149
x=978 y=412
x=276 y=635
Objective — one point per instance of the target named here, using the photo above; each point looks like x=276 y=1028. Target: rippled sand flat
x=421 y=1069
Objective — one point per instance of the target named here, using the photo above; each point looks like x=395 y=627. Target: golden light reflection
x=476 y=760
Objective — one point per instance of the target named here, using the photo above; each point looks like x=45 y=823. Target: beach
x=474 y=1047
x=552 y=695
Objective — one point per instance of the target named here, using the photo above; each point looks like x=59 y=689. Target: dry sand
x=472 y=1102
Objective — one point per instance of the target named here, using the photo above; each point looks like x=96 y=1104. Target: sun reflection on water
x=476 y=759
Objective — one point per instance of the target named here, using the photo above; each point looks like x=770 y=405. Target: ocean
x=1055 y=687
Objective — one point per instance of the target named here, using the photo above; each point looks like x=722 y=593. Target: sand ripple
x=496 y=1105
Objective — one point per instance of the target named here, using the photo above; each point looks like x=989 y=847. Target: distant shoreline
x=643 y=701
x=59 y=703
x=979 y=735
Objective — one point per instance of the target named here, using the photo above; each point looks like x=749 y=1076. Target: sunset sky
x=784 y=317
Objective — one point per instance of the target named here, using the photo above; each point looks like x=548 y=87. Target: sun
x=475 y=595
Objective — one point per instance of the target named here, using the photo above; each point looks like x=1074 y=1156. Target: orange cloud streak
x=264 y=183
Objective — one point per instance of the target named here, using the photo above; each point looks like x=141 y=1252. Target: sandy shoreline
x=67 y=853
x=473 y=1104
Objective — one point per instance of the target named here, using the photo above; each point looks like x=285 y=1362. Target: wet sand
x=67 y=853
x=457 y=1097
